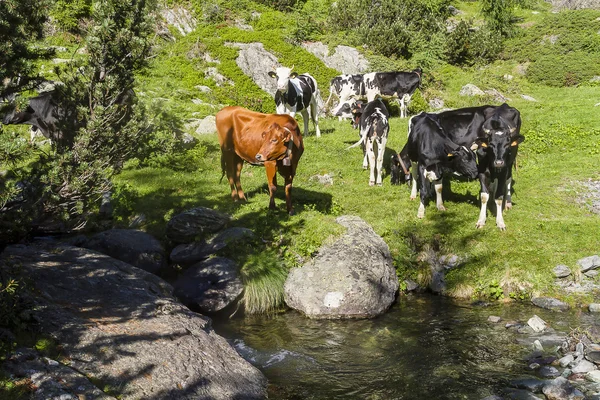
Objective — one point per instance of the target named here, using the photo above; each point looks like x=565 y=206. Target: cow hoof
x=508 y=206
x=502 y=227
x=379 y=184
x=371 y=183
x=441 y=208
x=480 y=224
x=413 y=197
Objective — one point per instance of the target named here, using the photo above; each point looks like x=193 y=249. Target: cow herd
x=475 y=143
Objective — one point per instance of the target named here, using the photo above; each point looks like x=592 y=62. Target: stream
x=424 y=347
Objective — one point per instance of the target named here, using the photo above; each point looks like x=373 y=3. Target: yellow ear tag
x=483 y=144
x=514 y=143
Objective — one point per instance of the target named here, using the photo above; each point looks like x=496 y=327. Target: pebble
x=494 y=319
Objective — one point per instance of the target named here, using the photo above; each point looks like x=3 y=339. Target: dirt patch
x=590 y=195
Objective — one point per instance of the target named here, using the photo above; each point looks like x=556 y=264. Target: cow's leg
x=237 y=165
x=314 y=115
x=305 y=119
x=227 y=163
x=499 y=218
x=380 y=151
x=288 y=193
x=401 y=105
x=371 y=155
x=507 y=195
x=485 y=195
x=271 y=170
x=414 y=172
x=438 y=195
x=424 y=191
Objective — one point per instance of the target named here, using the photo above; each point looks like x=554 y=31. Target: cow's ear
x=481 y=142
x=293 y=75
x=516 y=140
x=272 y=74
x=287 y=134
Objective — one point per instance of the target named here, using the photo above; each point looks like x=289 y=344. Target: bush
x=466 y=46
x=68 y=13
x=564 y=70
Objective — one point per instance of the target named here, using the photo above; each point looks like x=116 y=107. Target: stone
x=493 y=397
x=411 y=285
x=255 y=62
x=436 y=103
x=593 y=356
x=550 y=303
x=325 y=180
x=134 y=247
x=548 y=371
x=587 y=263
x=209 y=286
x=121 y=326
x=537 y=346
x=353 y=277
x=519 y=394
x=593 y=376
x=195 y=223
x=344 y=58
x=561 y=271
x=179 y=17
x=537 y=324
x=528 y=98
x=592 y=273
x=560 y=389
x=566 y=360
x=494 y=319
x=207 y=125
x=219 y=79
x=583 y=367
x=530 y=384
x=471 y=90
x=186 y=254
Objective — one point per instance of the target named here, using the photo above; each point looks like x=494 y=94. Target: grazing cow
x=399 y=84
x=498 y=143
x=346 y=87
x=435 y=153
x=295 y=93
x=374 y=128
x=398 y=164
x=272 y=140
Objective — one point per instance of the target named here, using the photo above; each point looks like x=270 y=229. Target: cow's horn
x=512 y=130
x=487 y=131
x=474 y=146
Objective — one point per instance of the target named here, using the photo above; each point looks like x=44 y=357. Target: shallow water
x=424 y=347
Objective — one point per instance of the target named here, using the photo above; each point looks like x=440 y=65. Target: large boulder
x=137 y=248
x=346 y=59
x=195 y=223
x=209 y=286
x=119 y=325
x=187 y=254
x=352 y=278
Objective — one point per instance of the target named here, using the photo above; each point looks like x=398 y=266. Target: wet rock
x=494 y=319
x=137 y=248
x=537 y=324
x=519 y=394
x=197 y=222
x=561 y=389
x=411 y=285
x=583 y=366
x=209 y=286
x=550 y=303
x=587 y=263
x=548 y=371
x=531 y=384
x=593 y=356
x=561 y=271
x=351 y=278
x=594 y=307
x=593 y=376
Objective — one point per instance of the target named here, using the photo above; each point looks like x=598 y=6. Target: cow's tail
x=360 y=141
x=222 y=167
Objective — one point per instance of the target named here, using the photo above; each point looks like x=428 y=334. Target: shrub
x=68 y=13
x=569 y=69
x=466 y=46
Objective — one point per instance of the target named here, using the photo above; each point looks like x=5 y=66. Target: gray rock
x=528 y=98
x=537 y=346
x=561 y=271
x=436 y=103
x=411 y=285
x=471 y=90
x=561 y=389
x=550 y=303
x=593 y=356
x=120 y=326
x=209 y=286
x=186 y=254
x=592 y=273
x=566 y=360
x=345 y=59
x=326 y=180
x=519 y=394
x=587 y=263
x=351 y=278
x=256 y=62
x=494 y=319
x=536 y=323
x=218 y=78
x=179 y=17
x=493 y=397
x=195 y=223
x=203 y=89
x=531 y=384
x=207 y=125
x=583 y=366
x=548 y=371
x=137 y=248
x=574 y=4
x=593 y=376
x=594 y=307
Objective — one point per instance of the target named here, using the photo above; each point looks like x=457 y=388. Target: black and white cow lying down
x=296 y=93
x=435 y=153
x=374 y=129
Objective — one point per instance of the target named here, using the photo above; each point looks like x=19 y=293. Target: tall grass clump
x=263 y=276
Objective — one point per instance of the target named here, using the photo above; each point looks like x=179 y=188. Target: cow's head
x=344 y=109
x=357 y=111
x=463 y=161
x=496 y=138
x=283 y=76
x=400 y=167
x=276 y=143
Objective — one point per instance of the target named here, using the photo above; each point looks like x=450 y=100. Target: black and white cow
x=42 y=113
x=295 y=93
x=374 y=129
x=345 y=87
x=398 y=84
x=435 y=153
x=498 y=142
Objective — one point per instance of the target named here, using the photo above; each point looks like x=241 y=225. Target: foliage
x=406 y=25
x=499 y=16
x=67 y=14
x=263 y=276
x=282 y=5
x=417 y=103
x=466 y=46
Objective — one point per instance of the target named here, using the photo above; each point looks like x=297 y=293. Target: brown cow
x=270 y=139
